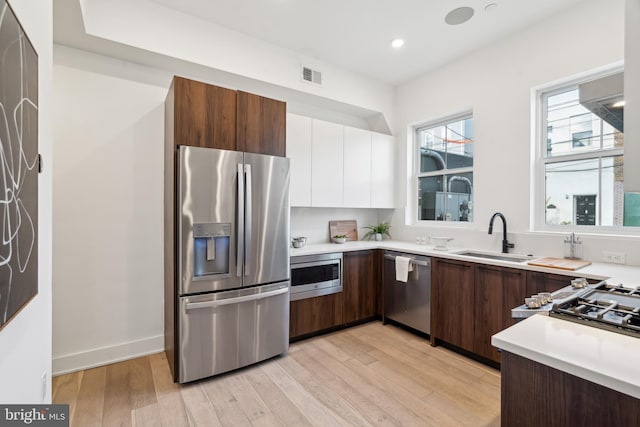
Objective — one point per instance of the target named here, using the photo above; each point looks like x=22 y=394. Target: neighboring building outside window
x=445 y=170
x=580 y=159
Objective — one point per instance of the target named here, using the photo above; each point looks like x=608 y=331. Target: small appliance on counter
x=298 y=242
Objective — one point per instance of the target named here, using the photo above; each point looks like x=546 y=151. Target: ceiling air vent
x=311 y=76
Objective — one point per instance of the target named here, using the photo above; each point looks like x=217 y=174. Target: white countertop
x=606 y=358
x=615 y=273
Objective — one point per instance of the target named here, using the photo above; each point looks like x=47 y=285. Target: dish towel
x=403 y=267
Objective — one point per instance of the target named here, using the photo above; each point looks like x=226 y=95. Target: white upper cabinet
x=327 y=163
x=339 y=166
x=299 y=130
x=357 y=168
x=382 y=171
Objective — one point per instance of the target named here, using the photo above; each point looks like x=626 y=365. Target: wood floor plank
x=368 y=375
x=117 y=396
x=146 y=416
x=386 y=402
x=227 y=407
x=143 y=391
x=199 y=409
x=287 y=412
x=432 y=416
x=170 y=404
x=328 y=397
x=90 y=403
x=65 y=389
x=356 y=397
x=316 y=412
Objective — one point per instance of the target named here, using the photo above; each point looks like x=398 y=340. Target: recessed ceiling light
x=619 y=104
x=459 y=16
x=397 y=43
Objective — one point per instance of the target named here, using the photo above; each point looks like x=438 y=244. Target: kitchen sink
x=496 y=256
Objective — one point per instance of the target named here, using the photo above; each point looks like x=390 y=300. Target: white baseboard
x=107 y=355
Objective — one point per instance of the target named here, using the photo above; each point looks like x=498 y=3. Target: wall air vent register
x=311 y=76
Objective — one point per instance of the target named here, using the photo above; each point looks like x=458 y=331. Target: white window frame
x=539 y=147
x=464 y=114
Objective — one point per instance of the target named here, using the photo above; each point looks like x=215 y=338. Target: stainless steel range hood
x=602 y=98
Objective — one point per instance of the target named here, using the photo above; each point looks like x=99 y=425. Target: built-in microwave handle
x=239 y=227
x=236 y=300
x=413 y=261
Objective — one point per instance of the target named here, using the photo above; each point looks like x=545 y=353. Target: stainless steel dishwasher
x=408 y=303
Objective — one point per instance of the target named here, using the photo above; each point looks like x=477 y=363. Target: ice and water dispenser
x=211 y=248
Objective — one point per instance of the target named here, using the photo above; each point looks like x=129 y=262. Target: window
x=445 y=170
x=581 y=163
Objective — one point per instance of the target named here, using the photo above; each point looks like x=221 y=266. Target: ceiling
x=356 y=34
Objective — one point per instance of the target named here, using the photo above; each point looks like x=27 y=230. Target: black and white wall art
x=19 y=164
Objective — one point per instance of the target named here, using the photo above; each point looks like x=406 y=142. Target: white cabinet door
x=299 y=130
x=357 y=168
x=382 y=171
x=327 y=164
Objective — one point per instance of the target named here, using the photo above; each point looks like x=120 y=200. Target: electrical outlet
x=616 y=257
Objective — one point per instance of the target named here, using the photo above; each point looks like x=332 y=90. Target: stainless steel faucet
x=505 y=243
x=572 y=248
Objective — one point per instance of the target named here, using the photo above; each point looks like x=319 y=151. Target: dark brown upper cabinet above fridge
x=202 y=115
x=261 y=124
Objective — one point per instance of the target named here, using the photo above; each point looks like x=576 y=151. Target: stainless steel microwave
x=315 y=275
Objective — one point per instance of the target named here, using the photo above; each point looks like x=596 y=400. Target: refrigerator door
x=209 y=233
x=267 y=219
x=223 y=331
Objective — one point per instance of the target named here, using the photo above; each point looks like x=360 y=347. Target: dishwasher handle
x=413 y=261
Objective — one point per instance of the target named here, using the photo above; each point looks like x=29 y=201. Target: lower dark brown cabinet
x=535 y=395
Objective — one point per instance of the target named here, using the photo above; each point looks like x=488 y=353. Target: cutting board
x=347 y=227
x=561 y=263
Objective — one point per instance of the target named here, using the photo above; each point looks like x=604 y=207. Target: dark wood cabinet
x=545 y=282
x=453 y=303
x=472 y=302
x=202 y=115
x=360 y=284
x=534 y=394
x=497 y=291
x=311 y=315
x=261 y=124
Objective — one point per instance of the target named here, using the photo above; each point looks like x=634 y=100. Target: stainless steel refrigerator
x=233 y=260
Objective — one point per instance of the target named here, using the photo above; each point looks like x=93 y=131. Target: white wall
x=151 y=28
x=496 y=83
x=108 y=137
x=25 y=342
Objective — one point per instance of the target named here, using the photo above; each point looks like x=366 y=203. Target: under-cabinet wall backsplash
x=313 y=223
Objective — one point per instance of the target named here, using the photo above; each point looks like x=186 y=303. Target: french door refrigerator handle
x=248 y=218
x=236 y=300
x=239 y=222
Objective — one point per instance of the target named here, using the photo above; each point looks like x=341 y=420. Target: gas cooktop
x=609 y=307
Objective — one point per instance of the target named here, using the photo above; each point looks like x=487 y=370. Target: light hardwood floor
x=369 y=375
